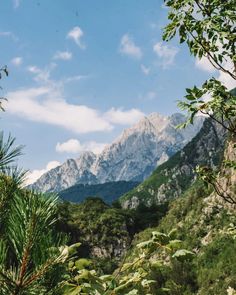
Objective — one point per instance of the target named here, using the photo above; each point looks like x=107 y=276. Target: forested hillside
x=206 y=224
x=175 y=233
x=109 y=191
x=199 y=221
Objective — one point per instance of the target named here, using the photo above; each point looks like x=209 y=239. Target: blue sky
x=82 y=71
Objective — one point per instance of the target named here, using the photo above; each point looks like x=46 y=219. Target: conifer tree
x=30 y=252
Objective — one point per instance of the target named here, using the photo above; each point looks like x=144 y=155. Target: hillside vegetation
x=109 y=191
x=174 y=176
x=202 y=222
x=174 y=234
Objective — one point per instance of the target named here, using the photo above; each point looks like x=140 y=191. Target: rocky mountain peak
x=131 y=157
x=86 y=159
x=176 y=119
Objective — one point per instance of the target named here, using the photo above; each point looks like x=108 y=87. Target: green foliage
x=8 y=152
x=216 y=266
x=138 y=276
x=159 y=264
x=29 y=244
x=205 y=229
x=221 y=107
x=108 y=229
x=29 y=248
x=94 y=218
x=147 y=216
x=208 y=28
x=105 y=232
x=32 y=258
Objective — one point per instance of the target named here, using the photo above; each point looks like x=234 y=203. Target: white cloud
x=145 y=70
x=63 y=55
x=17 y=61
x=34 y=175
x=16 y=3
x=118 y=116
x=154 y=26
x=227 y=64
x=164 y=6
x=225 y=78
x=75 y=78
x=95 y=147
x=70 y=146
x=74 y=146
x=205 y=65
x=128 y=47
x=76 y=34
x=44 y=104
x=42 y=75
x=9 y=34
x=166 y=53
x=148 y=96
x=151 y=95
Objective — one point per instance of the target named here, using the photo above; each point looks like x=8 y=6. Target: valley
x=118 y=147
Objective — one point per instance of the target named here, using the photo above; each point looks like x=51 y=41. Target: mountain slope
x=131 y=157
x=108 y=192
x=66 y=175
x=204 y=223
x=174 y=176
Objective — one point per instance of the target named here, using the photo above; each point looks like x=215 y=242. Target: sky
x=82 y=71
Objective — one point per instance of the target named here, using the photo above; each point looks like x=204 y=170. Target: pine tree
x=30 y=252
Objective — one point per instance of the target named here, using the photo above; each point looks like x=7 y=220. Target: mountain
x=108 y=191
x=69 y=173
x=131 y=157
x=205 y=223
x=199 y=221
x=174 y=176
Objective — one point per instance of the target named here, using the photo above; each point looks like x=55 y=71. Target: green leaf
x=183 y=255
x=82 y=263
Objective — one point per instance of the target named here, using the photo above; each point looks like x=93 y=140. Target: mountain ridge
x=131 y=157
x=108 y=191
x=173 y=177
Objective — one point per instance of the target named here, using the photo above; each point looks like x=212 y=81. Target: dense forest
x=179 y=244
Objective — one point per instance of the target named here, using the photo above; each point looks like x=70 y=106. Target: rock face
x=66 y=175
x=173 y=177
x=131 y=157
x=226 y=181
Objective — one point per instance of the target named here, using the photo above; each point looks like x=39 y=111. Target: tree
x=136 y=275
x=208 y=28
x=30 y=252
